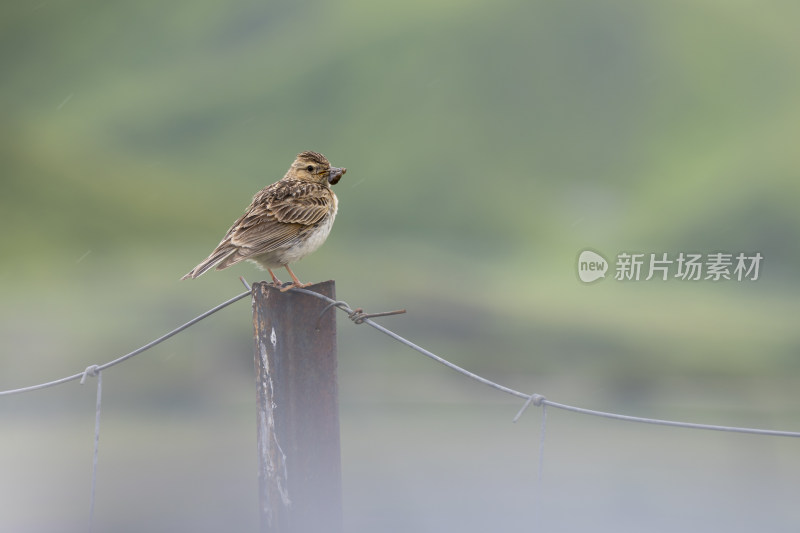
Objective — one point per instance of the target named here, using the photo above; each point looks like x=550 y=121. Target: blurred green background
x=487 y=144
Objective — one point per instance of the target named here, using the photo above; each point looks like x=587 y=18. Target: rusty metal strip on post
x=299 y=460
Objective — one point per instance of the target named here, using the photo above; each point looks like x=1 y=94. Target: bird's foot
x=278 y=284
x=293 y=285
x=295 y=282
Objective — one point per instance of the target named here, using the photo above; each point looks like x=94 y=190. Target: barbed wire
x=97 y=371
x=93 y=370
x=535 y=399
x=358 y=316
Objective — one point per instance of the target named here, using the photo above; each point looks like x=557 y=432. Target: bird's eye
x=310 y=168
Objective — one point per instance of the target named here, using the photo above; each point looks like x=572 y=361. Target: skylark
x=285 y=222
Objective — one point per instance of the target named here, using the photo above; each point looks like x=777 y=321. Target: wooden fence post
x=299 y=460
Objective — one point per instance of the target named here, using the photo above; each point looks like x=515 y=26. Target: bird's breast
x=312 y=238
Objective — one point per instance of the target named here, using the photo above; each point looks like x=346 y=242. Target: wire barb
x=341 y=304
x=535 y=399
x=91 y=370
x=358 y=316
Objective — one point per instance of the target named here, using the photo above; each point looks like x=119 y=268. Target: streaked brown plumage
x=285 y=222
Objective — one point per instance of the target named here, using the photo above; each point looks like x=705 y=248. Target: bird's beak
x=335 y=175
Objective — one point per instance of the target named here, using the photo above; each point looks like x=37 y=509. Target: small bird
x=285 y=222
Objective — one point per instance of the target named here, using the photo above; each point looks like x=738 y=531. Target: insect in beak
x=335 y=174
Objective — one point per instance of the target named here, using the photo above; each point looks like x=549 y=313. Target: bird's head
x=311 y=166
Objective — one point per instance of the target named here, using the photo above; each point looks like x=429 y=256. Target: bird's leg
x=275 y=281
x=295 y=282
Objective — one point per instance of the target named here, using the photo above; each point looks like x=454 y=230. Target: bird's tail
x=224 y=256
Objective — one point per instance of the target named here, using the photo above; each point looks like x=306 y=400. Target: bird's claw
x=291 y=285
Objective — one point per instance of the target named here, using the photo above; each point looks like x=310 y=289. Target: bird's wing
x=278 y=217
x=306 y=204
